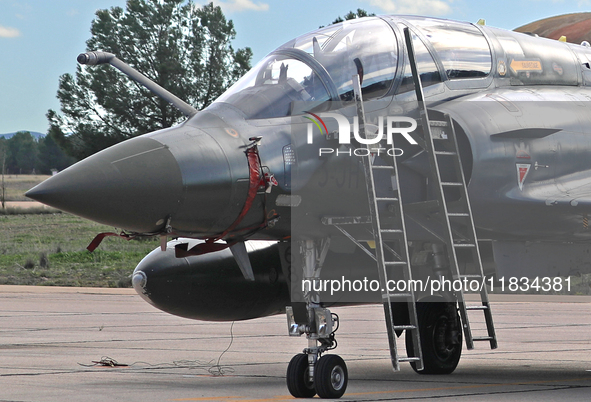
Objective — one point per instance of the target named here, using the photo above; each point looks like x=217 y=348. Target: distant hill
x=35 y=135
x=576 y=27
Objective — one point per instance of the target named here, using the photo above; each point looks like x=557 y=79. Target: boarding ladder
x=453 y=205
x=388 y=232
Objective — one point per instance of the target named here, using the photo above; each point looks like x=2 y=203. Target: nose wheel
x=299 y=383
x=330 y=377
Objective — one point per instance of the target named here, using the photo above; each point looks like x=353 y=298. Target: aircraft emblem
x=522 y=171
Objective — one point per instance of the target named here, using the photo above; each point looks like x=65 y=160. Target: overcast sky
x=40 y=39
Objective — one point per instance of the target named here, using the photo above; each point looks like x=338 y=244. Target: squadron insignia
x=522 y=171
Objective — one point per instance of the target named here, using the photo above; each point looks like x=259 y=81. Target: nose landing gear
x=330 y=377
x=310 y=373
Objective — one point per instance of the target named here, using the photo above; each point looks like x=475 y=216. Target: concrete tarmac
x=49 y=338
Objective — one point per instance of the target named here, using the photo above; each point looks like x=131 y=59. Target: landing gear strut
x=310 y=373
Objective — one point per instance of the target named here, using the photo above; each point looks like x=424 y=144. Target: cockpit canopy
x=364 y=47
x=318 y=67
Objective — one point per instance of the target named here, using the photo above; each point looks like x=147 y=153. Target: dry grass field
x=41 y=246
x=17 y=185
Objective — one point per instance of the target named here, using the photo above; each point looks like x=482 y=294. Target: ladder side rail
x=413 y=67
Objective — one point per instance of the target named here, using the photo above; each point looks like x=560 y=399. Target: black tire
x=298 y=382
x=330 y=376
x=441 y=337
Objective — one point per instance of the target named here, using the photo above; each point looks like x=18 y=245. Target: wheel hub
x=337 y=377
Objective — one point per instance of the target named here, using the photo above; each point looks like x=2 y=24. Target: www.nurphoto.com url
x=436 y=285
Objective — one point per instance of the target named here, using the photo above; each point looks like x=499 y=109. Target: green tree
x=183 y=48
x=21 y=153
x=352 y=15
x=51 y=156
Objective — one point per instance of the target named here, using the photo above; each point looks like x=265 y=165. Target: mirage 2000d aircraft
x=442 y=157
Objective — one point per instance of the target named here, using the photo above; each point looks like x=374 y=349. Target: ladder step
x=387 y=199
x=409 y=359
x=400 y=295
x=482 y=338
x=445 y=153
x=451 y=183
x=391 y=231
x=403 y=327
x=458 y=214
x=382 y=167
x=464 y=245
x=473 y=276
x=476 y=307
x=394 y=262
x=387 y=298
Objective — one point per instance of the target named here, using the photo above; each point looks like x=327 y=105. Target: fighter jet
x=419 y=152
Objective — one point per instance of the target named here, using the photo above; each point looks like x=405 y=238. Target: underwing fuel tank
x=211 y=286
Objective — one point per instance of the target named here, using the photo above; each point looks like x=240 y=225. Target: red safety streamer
x=256 y=180
x=99 y=238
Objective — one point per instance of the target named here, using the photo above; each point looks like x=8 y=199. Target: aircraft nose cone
x=134 y=185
